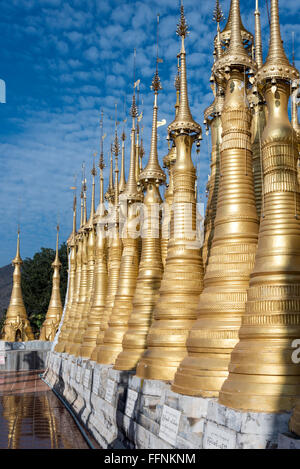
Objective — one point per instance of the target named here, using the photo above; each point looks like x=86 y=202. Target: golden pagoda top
x=184 y=122
x=131 y=192
x=153 y=170
x=232 y=18
x=122 y=183
x=18 y=260
x=56 y=262
x=277 y=65
x=236 y=54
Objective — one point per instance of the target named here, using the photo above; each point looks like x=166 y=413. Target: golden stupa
x=90 y=249
x=53 y=316
x=262 y=375
x=118 y=321
x=231 y=258
x=16 y=326
x=150 y=267
x=99 y=289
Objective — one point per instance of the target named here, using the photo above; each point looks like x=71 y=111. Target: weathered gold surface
x=262 y=375
x=175 y=309
x=16 y=326
x=150 y=267
x=53 y=316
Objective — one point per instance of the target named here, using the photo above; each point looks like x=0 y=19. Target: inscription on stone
x=96 y=381
x=169 y=424
x=110 y=390
x=218 y=437
x=130 y=402
x=86 y=378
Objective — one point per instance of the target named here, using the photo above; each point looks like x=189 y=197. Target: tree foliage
x=37 y=283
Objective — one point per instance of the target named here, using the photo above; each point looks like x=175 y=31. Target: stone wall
x=123 y=411
x=18 y=356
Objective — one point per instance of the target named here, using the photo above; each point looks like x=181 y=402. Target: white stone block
x=195 y=407
x=153 y=387
x=251 y=441
x=218 y=437
x=216 y=412
x=263 y=424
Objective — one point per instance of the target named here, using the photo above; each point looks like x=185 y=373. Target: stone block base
x=124 y=411
x=18 y=356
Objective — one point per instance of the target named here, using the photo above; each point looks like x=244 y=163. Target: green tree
x=37 y=283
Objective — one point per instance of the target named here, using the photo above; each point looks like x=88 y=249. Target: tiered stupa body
x=262 y=374
x=181 y=285
x=113 y=258
x=118 y=321
x=81 y=276
x=53 y=316
x=100 y=276
x=150 y=267
x=90 y=228
x=169 y=161
x=231 y=260
x=215 y=125
x=16 y=326
x=66 y=326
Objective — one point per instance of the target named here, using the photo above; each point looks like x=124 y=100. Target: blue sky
x=62 y=61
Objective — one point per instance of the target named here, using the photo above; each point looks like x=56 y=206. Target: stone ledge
x=203 y=422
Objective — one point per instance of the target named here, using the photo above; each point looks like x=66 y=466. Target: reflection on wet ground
x=32 y=417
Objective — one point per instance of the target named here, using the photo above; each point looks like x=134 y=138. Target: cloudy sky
x=63 y=60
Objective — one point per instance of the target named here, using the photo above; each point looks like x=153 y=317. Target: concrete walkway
x=32 y=417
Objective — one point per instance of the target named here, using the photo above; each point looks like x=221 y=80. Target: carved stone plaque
x=130 y=402
x=217 y=437
x=169 y=424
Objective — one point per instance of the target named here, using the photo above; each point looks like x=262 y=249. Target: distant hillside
x=5 y=286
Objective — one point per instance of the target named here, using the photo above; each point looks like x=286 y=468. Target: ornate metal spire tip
x=218 y=14
x=182 y=27
x=134 y=109
x=156 y=85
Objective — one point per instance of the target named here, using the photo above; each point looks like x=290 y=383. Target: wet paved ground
x=32 y=417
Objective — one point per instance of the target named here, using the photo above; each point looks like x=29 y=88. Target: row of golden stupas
x=218 y=320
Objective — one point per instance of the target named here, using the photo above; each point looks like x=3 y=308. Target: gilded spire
x=17 y=259
x=56 y=262
x=16 y=326
x=277 y=64
x=233 y=18
x=184 y=122
x=116 y=153
x=92 y=213
x=84 y=198
x=258 y=43
x=218 y=17
x=110 y=189
x=236 y=54
x=122 y=173
x=131 y=189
